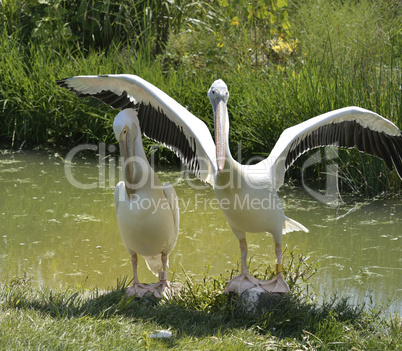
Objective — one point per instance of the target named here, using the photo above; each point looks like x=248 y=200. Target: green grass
x=201 y=317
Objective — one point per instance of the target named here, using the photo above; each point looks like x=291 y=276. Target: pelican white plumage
x=247 y=193
x=147 y=212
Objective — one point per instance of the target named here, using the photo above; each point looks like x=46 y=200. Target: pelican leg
x=244 y=280
x=163 y=275
x=137 y=289
x=134 y=262
x=278 y=284
x=158 y=289
x=163 y=284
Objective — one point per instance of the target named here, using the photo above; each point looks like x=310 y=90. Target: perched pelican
x=146 y=211
x=247 y=193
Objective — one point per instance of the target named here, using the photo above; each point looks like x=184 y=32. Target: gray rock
x=255 y=301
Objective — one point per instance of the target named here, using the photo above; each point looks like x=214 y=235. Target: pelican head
x=218 y=95
x=126 y=127
x=125 y=124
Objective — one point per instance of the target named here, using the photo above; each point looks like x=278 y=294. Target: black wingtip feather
x=350 y=134
x=153 y=123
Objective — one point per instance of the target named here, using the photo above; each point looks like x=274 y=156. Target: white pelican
x=247 y=193
x=147 y=213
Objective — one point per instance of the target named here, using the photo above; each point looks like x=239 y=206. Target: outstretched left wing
x=347 y=128
x=161 y=118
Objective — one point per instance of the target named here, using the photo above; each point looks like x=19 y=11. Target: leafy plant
x=268 y=27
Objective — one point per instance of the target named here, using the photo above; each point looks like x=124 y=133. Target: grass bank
x=201 y=317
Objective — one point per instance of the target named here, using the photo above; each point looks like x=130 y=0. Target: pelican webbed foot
x=241 y=282
x=161 y=289
x=276 y=285
x=158 y=289
x=139 y=290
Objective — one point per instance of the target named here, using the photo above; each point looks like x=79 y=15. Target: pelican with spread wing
x=247 y=193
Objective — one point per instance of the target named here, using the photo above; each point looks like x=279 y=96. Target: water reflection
x=61 y=235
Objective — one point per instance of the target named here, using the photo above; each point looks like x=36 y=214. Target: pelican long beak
x=127 y=152
x=220 y=133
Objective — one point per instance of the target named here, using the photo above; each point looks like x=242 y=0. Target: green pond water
x=60 y=235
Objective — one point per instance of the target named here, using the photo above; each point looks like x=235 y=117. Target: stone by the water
x=175 y=288
x=257 y=300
